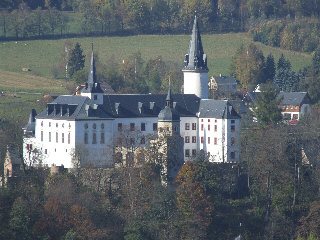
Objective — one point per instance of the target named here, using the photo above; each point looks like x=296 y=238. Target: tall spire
x=92 y=86
x=195 y=59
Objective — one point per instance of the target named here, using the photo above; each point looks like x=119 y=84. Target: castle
x=94 y=127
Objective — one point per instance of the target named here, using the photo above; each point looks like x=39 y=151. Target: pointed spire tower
x=93 y=89
x=195 y=66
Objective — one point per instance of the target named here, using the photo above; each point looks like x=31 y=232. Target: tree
x=316 y=59
x=286 y=80
x=267 y=107
x=270 y=69
x=77 y=60
x=283 y=63
x=248 y=66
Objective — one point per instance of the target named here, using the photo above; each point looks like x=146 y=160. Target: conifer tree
x=270 y=68
x=77 y=60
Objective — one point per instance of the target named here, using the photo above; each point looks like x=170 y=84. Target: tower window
x=233 y=128
x=62 y=137
x=45 y=151
x=85 y=138
x=155 y=126
x=194 y=126
x=233 y=141
x=232 y=121
x=186 y=139
x=41 y=123
x=143 y=126
x=208 y=140
x=49 y=136
x=57 y=137
x=233 y=155
x=49 y=124
x=208 y=127
x=187 y=126
x=94 y=138
x=69 y=138
x=102 y=138
x=187 y=153
x=41 y=136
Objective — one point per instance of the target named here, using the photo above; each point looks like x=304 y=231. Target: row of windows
x=94 y=126
x=94 y=138
x=215 y=140
x=289 y=107
x=55 y=150
x=194 y=153
x=57 y=137
x=142 y=127
x=57 y=125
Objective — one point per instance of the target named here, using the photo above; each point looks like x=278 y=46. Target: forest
x=290 y=24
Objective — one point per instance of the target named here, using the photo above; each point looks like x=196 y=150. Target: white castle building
x=91 y=123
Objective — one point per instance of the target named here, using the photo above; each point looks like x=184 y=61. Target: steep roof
x=30 y=127
x=217 y=109
x=195 y=60
x=92 y=85
x=294 y=98
x=225 y=80
x=73 y=107
x=169 y=114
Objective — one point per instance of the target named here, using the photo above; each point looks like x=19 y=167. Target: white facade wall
x=232 y=140
x=55 y=150
x=196 y=83
x=93 y=139
x=189 y=133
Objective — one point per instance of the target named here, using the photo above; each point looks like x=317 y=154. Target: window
x=41 y=123
x=57 y=125
x=208 y=127
x=215 y=141
x=85 y=138
x=187 y=153
x=69 y=138
x=94 y=126
x=102 y=126
x=143 y=126
x=215 y=128
x=69 y=125
x=86 y=125
x=187 y=126
x=194 y=139
x=45 y=151
x=49 y=124
x=194 y=126
x=233 y=141
x=194 y=152
x=186 y=139
x=62 y=125
x=102 y=138
x=132 y=141
x=57 y=137
x=209 y=154
x=94 y=138
x=41 y=136
x=215 y=120
x=95 y=97
x=291 y=107
x=131 y=126
x=62 y=137
x=119 y=127
x=49 y=136
x=155 y=126
x=208 y=140
x=208 y=120
x=175 y=128
x=233 y=121
x=201 y=127
x=201 y=120
x=201 y=139
x=233 y=128
x=233 y=155
x=143 y=140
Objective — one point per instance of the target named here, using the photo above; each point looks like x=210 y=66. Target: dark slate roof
x=73 y=107
x=92 y=86
x=294 y=98
x=148 y=105
x=30 y=127
x=216 y=109
x=195 y=60
x=225 y=80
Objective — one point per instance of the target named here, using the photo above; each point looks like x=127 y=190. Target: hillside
x=42 y=55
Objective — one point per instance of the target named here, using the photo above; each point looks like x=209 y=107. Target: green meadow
x=42 y=55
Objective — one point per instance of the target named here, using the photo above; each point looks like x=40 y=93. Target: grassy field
x=42 y=55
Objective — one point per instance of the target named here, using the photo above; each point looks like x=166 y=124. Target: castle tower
x=171 y=141
x=195 y=69
x=92 y=88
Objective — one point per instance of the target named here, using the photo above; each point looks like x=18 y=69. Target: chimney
x=117 y=106
x=140 y=105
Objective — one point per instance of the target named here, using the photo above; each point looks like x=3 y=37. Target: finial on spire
x=168 y=98
x=92 y=46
